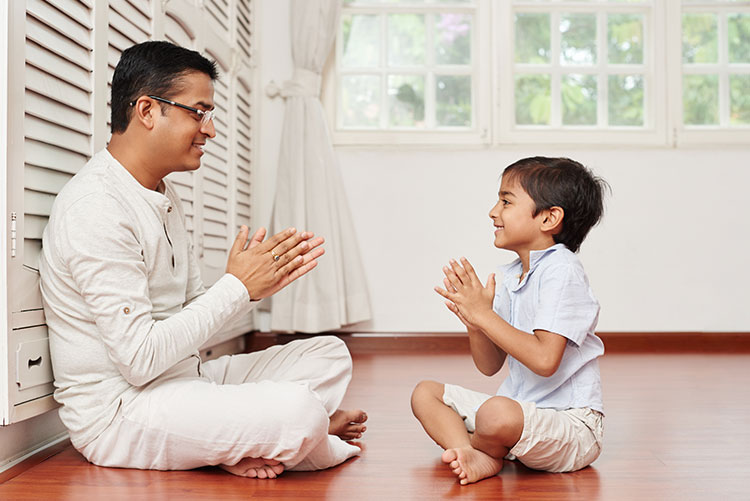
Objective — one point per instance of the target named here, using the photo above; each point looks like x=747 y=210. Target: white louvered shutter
x=215 y=193
x=243 y=153
x=61 y=57
x=129 y=23
x=57 y=125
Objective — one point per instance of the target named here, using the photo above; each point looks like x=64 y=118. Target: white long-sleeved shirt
x=122 y=293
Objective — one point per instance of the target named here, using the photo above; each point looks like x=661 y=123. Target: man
x=127 y=311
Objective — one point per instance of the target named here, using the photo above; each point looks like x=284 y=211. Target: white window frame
x=655 y=110
x=482 y=76
x=695 y=135
x=496 y=108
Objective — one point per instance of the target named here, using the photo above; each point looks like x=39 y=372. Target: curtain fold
x=309 y=190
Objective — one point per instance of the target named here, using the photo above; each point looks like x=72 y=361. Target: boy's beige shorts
x=552 y=440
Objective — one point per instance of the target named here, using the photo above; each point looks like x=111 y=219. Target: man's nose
x=209 y=129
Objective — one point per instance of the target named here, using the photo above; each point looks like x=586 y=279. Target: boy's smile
x=516 y=227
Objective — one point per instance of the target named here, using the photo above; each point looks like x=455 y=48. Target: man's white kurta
x=127 y=310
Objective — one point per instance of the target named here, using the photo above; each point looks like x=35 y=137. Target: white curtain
x=309 y=191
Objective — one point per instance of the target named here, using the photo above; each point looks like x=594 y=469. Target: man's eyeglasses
x=205 y=116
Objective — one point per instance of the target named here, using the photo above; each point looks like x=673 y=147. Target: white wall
x=670 y=254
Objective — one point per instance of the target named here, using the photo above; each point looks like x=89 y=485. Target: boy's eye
x=505 y=202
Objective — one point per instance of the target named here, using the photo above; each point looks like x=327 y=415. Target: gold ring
x=275 y=256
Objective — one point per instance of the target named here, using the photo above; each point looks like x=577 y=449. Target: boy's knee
x=500 y=417
x=424 y=392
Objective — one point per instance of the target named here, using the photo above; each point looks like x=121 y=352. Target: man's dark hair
x=562 y=182
x=152 y=68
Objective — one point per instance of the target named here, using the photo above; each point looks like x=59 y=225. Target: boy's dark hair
x=562 y=182
x=152 y=68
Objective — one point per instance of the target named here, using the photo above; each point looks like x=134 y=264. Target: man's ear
x=552 y=220
x=143 y=111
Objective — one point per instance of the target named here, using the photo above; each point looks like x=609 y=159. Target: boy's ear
x=552 y=220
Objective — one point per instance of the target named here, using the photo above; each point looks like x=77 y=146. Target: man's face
x=181 y=136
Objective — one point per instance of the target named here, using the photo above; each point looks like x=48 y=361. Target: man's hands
x=267 y=267
x=465 y=294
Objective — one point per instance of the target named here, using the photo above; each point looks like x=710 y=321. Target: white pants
x=271 y=404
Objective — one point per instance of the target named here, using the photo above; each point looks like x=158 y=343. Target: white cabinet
x=56 y=63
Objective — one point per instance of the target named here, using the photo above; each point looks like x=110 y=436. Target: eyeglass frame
x=206 y=115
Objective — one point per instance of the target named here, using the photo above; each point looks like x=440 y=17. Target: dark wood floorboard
x=677 y=428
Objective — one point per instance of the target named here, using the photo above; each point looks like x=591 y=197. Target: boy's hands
x=265 y=267
x=466 y=297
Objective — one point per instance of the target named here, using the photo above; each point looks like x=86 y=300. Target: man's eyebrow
x=204 y=105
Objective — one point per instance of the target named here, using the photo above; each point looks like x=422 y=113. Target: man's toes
x=261 y=473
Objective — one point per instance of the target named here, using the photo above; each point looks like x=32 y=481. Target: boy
x=548 y=411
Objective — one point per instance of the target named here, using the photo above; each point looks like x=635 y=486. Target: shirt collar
x=535 y=257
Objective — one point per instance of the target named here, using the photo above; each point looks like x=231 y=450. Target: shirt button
x=169 y=209
x=126 y=310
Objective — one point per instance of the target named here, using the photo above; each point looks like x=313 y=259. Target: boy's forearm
x=487 y=356
x=523 y=346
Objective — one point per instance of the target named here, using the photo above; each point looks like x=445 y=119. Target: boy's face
x=516 y=228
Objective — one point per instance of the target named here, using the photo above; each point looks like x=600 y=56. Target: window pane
x=625 y=99
x=578 y=39
x=406 y=39
x=739 y=90
x=699 y=38
x=700 y=99
x=453 y=39
x=625 y=38
x=361 y=100
x=578 y=99
x=532 y=38
x=361 y=45
x=532 y=99
x=406 y=100
x=453 y=100
x=739 y=38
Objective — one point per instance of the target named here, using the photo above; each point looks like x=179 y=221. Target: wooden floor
x=677 y=427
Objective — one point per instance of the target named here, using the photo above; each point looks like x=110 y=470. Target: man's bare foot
x=347 y=425
x=471 y=465
x=255 y=468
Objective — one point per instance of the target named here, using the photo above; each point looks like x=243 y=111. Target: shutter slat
x=37 y=204
x=57 y=113
x=175 y=32
x=126 y=28
x=53 y=41
x=45 y=180
x=58 y=90
x=42 y=131
x=71 y=28
x=44 y=59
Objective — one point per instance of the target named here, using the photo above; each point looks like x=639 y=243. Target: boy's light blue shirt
x=554 y=296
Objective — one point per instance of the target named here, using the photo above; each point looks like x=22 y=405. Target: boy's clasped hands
x=466 y=297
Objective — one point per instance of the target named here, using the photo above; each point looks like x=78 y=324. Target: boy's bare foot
x=471 y=465
x=347 y=425
x=255 y=468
